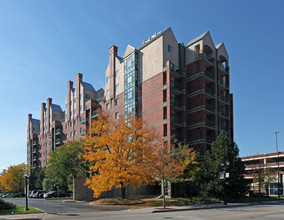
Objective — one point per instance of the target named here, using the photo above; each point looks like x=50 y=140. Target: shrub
x=6 y=205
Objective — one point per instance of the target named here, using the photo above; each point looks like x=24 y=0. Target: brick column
x=69 y=87
x=112 y=55
x=49 y=102
x=79 y=78
x=43 y=105
x=168 y=80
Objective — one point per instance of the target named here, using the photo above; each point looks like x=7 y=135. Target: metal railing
x=176 y=86
x=177 y=103
x=209 y=123
x=209 y=91
x=209 y=74
x=209 y=107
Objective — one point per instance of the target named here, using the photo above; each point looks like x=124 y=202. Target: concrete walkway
x=152 y=209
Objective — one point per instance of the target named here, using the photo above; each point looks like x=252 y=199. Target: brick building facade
x=181 y=90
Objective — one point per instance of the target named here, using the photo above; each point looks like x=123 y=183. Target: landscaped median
x=7 y=208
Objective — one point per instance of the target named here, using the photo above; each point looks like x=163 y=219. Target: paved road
x=56 y=206
x=57 y=209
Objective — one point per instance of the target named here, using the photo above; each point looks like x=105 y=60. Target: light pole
x=26 y=183
x=278 y=180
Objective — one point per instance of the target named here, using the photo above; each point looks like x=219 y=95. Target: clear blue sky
x=43 y=44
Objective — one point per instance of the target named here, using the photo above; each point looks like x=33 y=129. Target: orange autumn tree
x=117 y=152
x=12 y=179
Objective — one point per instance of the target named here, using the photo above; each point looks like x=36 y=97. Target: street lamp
x=278 y=180
x=26 y=183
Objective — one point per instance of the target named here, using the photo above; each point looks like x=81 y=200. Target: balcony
x=82 y=120
x=223 y=70
x=176 y=87
x=177 y=121
x=58 y=131
x=175 y=71
x=58 y=141
x=35 y=158
x=210 y=123
x=224 y=113
x=35 y=151
x=179 y=137
x=209 y=75
x=94 y=114
x=224 y=98
x=35 y=142
x=50 y=135
x=224 y=84
x=209 y=91
x=210 y=139
x=177 y=104
x=209 y=107
x=50 y=144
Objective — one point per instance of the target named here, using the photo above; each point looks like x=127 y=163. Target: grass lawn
x=20 y=210
x=256 y=199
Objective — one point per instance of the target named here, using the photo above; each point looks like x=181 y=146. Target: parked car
x=32 y=193
x=39 y=194
x=54 y=194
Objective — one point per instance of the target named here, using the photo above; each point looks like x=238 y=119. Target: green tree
x=65 y=164
x=223 y=157
x=36 y=178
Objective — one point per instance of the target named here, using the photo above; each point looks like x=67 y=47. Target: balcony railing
x=224 y=98
x=50 y=135
x=176 y=102
x=224 y=113
x=82 y=120
x=35 y=158
x=58 y=141
x=50 y=144
x=179 y=137
x=35 y=142
x=209 y=123
x=58 y=131
x=209 y=91
x=210 y=139
x=94 y=114
x=35 y=151
x=176 y=86
x=210 y=107
x=177 y=120
x=209 y=75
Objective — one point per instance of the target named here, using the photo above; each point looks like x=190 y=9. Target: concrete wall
x=83 y=193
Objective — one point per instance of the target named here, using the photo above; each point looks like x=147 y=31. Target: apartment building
x=182 y=90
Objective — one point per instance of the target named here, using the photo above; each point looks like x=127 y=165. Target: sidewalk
x=25 y=216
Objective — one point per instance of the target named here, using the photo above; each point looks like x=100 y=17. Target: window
x=107 y=79
x=197 y=48
x=81 y=108
x=117 y=73
x=66 y=136
x=75 y=112
x=117 y=101
x=108 y=93
x=71 y=113
x=71 y=124
x=170 y=49
x=75 y=133
x=71 y=134
x=87 y=96
x=81 y=131
x=75 y=121
x=66 y=126
x=116 y=115
x=80 y=96
x=108 y=106
x=117 y=88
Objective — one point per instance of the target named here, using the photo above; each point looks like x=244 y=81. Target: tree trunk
x=123 y=190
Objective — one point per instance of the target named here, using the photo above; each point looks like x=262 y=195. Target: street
x=57 y=209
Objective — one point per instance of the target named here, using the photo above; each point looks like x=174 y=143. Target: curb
x=216 y=207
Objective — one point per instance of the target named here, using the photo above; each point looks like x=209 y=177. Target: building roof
x=88 y=86
x=119 y=58
x=197 y=39
x=55 y=107
x=218 y=45
x=152 y=38
x=35 y=122
x=262 y=155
